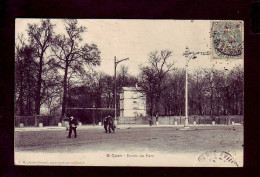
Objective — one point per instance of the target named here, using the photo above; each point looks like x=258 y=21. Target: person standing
x=72 y=127
x=157 y=117
x=110 y=124
x=105 y=124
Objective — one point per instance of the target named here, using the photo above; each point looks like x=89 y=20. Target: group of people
x=108 y=125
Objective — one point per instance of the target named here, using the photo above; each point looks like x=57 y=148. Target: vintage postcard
x=117 y=92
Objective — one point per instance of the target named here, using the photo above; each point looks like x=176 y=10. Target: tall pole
x=186 y=122
x=93 y=115
x=188 y=56
x=116 y=62
x=115 y=85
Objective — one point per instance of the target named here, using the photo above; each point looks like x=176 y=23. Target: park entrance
x=90 y=115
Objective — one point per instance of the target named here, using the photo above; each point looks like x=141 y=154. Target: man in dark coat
x=72 y=126
x=111 y=124
x=105 y=123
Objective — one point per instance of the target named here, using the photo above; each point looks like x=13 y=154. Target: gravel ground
x=162 y=139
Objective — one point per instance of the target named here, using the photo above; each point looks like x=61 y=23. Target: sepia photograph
x=129 y=92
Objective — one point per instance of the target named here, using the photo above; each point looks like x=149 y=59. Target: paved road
x=163 y=139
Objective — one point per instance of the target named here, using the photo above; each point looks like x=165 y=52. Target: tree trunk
x=151 y=109
x=200 y=108
x=157 y=100
x=211 y=105
x=64 y=98
x=21 y=107
x=29 y=110
x=21 y=110
x=108 y=100
x=38 y=91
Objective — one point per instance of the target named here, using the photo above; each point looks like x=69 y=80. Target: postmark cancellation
x=227 y=39
x=217 y=159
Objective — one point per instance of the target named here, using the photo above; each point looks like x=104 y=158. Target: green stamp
x=227 y=39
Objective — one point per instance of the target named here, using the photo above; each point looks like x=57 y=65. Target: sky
x=135 y=39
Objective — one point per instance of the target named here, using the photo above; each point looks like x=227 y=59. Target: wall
x=163 y=120
x=133 y=120
x=35 y=120
x=170 y=120
x=132 y=103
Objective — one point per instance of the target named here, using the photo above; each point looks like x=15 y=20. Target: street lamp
x=116 y=63
x=93 y=115
x=189 y=55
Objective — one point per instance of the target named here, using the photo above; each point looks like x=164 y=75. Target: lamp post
x=188 y=56
x=116 y=63
x=93 y=115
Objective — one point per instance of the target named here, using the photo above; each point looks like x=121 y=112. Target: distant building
x=132 y=102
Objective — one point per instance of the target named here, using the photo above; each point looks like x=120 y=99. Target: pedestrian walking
x=105 y=124
x=157 y=116
x=66 y=124
x=72 y=127
x=151 y=121
x=111 y=125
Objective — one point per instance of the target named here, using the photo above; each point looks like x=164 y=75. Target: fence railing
x=179 y=120
x=36 y=120
x=162 y=120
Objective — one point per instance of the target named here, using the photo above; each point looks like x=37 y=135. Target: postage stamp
x=227 y=39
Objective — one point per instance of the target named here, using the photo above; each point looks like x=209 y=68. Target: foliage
x=25 y=77
x=55 y=71
x=154 y=77
x=71 y=56
x=40 y=38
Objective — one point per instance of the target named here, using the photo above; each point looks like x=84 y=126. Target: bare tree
x=40 y=36
x=173 y=97
x=153 y=77
x=25 y=77
x=51 y=88
x=72 y=56
x=216 y=92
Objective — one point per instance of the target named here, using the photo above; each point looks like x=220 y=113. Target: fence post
x=21 y=125
x=26 y=118
x=18 y=120
x=35 y=121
